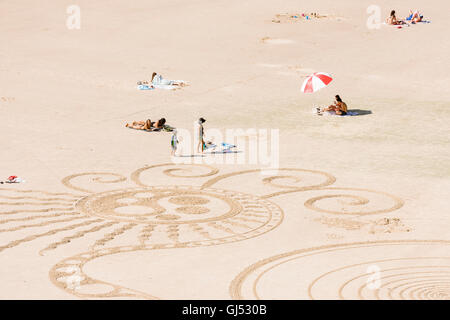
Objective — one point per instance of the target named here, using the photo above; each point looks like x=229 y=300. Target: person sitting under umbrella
x=339 y=106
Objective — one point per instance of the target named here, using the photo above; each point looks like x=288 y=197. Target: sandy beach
x=104 y=212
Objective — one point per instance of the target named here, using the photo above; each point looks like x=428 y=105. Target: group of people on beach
x=413 y=17
x=149 y=125
x=338 y=107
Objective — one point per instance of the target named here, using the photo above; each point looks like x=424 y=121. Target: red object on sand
x=12 y=178
x=316 y=81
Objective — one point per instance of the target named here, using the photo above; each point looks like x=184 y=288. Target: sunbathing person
x=157 y=79
x=149 y=82
x=415 y=16
x=147 y=125
x=339 y=107
x=393 y=19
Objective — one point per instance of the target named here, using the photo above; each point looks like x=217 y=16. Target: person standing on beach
x=201 y=134
x=415 y=16
x=174 y=142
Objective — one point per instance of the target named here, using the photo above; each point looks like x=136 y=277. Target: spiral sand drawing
x=147 y=217
x=366 y=270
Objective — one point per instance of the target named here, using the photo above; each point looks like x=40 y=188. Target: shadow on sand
x=206 y=153
x=359 y=112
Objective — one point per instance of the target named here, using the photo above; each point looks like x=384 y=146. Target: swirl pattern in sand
x=354 y=201
x=112 y=217
x=372 y=270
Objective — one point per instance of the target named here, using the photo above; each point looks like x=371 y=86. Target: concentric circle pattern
x=417 y=270
x=111 y=217
x=164 y=205
x=168 y=217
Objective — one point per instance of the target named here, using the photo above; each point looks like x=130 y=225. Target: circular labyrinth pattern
x=186 y=200
x=212 y=213
x=193 y=210
x=181 y=213
x=183 y=204
x=150 y=217
x=413 y=270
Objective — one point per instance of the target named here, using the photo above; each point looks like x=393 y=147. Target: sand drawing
x=383 y=225
x=147 y=217
x=303 y=17
x=269 y=40
x=7 y=99
x=405 y=269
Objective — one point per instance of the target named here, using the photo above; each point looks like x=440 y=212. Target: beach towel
x=165 y=128
x=13 y=179
x=165 y=86
x=208 y=145
x=144 y=87
x=409 y=18
x=148 y=130
x=168 y=128
x=333 y=114
x=397 y=26
x=224 y=147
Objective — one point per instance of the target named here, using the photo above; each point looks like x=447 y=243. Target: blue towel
x=227 y=145
x=144 y=87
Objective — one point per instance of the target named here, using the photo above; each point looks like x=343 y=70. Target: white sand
x=65 y=96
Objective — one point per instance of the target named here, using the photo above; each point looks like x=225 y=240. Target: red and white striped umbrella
x=316 y=81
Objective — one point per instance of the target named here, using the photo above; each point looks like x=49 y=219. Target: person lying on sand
x=415 y=16
x=338 y=106
x=392 y=20
x=157 y=79
x=147 y=125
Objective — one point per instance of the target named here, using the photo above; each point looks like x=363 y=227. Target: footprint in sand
x=302 y=71
x=301 y=17
x=296 y=70
x=269 y=65
x=7 y=99
x=269 y=40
